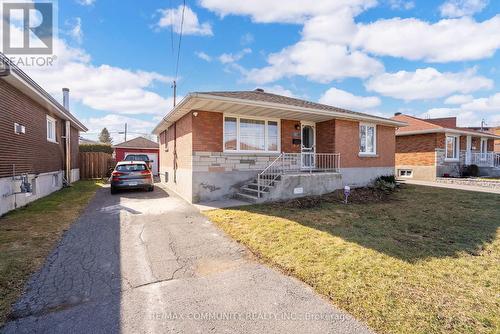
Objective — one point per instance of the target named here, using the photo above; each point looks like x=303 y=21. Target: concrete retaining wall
x=43 y=185
x=75 y=175
x=363 y=176
x=300 y=185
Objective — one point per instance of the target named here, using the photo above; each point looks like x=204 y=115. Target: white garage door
x=152 y=156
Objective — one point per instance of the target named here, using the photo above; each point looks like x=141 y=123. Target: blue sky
x=424 y=58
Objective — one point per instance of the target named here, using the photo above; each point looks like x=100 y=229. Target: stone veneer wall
x=220 y=175
x=220 y=162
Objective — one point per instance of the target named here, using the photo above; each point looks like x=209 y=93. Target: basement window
x=405 y=173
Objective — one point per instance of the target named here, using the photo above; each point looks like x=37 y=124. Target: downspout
x=68 y=137
x=175 y=152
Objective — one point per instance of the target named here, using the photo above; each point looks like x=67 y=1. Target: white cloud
x=342 y=99
x=278 y=89
x=116 y=123
x=76 y=31
x=318 y=61
x=401 y=4
x=86 y=2
x=319 y=28
x=458 y=99
x=247 y=39
x=444 y=41
x=471 y=113
x=192 y=26
x=427 y=83
x=227 y=58
x=489 y=104
x=459 y=8
x=294 y=11
x=204 y=56
x=102 y=87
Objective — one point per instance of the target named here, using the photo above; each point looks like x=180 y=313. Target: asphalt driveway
x=143 y=262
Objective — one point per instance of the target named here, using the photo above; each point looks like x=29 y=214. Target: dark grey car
x=131 y=175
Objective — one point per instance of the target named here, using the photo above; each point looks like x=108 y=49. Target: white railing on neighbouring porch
x=297 y=163
x=490 y=159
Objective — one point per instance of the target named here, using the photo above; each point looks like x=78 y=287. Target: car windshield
x=131 y=168
x=137 y=158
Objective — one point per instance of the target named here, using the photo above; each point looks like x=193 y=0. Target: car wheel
x=152 y=188
x=113 y=191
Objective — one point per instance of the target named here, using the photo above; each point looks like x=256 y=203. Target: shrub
x=386 y=183
x=470 y=170
x=96 y=148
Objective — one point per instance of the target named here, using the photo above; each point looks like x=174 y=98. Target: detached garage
x=139 y=145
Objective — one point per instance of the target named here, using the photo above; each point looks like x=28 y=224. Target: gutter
x=446 y=130
x=14 y=72
x=286 y=107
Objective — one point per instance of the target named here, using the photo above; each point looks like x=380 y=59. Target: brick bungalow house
x=262 y=146
x=38 y=140
x=139 y=145
x=430 y=148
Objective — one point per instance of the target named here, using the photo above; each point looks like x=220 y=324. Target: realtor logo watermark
x=28 y=32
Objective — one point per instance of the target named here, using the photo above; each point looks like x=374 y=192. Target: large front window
x=250 y=135
x=452 y=148
x=367 y=139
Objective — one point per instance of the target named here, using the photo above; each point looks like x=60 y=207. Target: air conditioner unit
x=19 y=129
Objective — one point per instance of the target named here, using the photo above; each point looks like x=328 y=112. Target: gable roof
x=439 y=125
x=16 y=77
x=139 y=143
x=263 y=103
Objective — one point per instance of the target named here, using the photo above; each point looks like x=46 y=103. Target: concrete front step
x=254 y=190
x=248 y=198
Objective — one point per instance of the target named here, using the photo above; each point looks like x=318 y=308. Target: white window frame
x=54 y=122
x=367 y=125
x=408 y=173
x=456 y=155
x=266 y=141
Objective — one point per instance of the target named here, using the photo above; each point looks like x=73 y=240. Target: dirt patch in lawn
x=357 y=196
x=28 y=234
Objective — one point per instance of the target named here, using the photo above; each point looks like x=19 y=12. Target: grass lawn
x=426 y=261
x=28 y=234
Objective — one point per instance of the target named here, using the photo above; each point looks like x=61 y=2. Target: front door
x=308 y=145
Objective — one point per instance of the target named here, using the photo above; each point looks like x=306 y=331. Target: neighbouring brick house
x=430 y=148
x=139 y=145
x=262 y=146
x=38 y=140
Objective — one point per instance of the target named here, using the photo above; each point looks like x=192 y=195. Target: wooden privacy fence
x=95 y=165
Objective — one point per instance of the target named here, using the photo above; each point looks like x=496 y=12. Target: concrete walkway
x=451 y=186
x=151 y=263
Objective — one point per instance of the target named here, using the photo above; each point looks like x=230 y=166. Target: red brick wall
x=491 y=145
x=182 y=130
x=417 y=150
x=208 y=132
x=325 y=137
x=288 y=133
x=30 y=152
x=347 y=144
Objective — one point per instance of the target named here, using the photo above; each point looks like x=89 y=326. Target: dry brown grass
x=28 y=234
x=426 y=261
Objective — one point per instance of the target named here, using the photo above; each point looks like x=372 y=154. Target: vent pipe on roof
x=260 y=90
x=66 y=98
x=397 y=114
